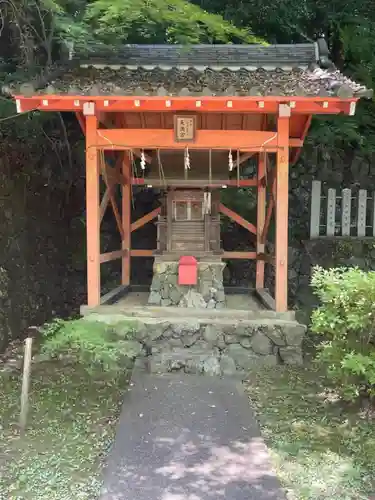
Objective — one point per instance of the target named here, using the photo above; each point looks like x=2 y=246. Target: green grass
x=321 y=449
x=71 y=426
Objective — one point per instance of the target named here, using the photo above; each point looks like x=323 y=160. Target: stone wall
x=327 y=253
x=211 y=348
x=208 y=293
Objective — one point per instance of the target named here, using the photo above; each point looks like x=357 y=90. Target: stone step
x=200 y=315
x=202 y=361
x=191 y=360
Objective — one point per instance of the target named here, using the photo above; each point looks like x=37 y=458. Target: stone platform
x=203 y=341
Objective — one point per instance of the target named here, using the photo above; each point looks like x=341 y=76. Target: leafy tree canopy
x=34 y=33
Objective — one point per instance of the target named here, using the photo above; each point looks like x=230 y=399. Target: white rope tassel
x=230 y=161
x=187 y=159
x=208 y=203
x=143 y=160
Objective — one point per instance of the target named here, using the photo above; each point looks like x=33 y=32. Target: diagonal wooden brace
x=237 y=218
x=145 y=219
x=109 y=182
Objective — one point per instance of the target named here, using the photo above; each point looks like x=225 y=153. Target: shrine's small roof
x=209 y=70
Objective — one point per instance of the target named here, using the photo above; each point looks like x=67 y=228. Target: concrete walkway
x=183 y=437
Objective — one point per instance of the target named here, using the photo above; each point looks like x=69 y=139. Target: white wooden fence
x=341 y=214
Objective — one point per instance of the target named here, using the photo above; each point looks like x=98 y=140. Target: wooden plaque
x=185 y=128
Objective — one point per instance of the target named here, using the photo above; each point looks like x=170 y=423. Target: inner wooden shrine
x=185 y=120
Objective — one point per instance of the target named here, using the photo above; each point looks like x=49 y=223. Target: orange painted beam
x=109 y=256
x=271 y=180
x=145 y=219
x=102 y=118
x=92 y=214
x=113 y=175
x=239 y=255
x=261 y=219
x=244 y=140
x=109 y=191
x=237 y=218
x=110 y=182
x=142 y=253
x=126 y=218
x=223 y=104
x=267 y=223
x=104 y=203
x=282 y=198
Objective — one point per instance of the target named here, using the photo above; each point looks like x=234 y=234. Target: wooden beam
x=245 y=140
x=266 y=299
x=92 y=214
x=222 y=104
x=178 y=182
x=239 y=255
x=126 y=218
x=142 y=253
x=112 y=174
x=108 y=191
x=261 y=219
x=145 y=219
x=114 y=295
x=237 y=218
x=109 y=182
x=109 y=256
x=104 y=203
x=120 y=122
x=282 y=197
x=262 y=257
x=271 y=205
x=246 y=156
x=104 y=120
x=267 y=223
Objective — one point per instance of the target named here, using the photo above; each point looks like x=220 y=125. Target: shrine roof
x=206 y=70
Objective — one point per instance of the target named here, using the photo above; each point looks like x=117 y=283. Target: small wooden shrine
x=185 y=120
x=189 y=222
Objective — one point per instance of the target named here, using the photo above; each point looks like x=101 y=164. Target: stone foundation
x=208 y=293
x=206 y=347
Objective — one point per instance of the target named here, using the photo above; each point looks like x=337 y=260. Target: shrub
x=346 y=320
x=91 y=343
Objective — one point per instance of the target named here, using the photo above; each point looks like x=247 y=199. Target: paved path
x=188 y=438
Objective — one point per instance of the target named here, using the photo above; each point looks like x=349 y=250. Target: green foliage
x=71 y=425
x=44 y=30
x=154 y=21
x=91 y=343
x=346 y=320
x=321 y=448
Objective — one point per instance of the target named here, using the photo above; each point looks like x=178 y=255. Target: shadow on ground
x=188 y=438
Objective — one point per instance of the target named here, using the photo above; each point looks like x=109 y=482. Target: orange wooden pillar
x=126 y=218
x=282 y=196
x=261 y=218
x=92 y=213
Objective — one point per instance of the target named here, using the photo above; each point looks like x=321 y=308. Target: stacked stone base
x=215 y=349
x=207 y=293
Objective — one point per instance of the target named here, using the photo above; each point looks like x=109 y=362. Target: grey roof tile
x=207 y=56
x=174 y=82
x=285 y=70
